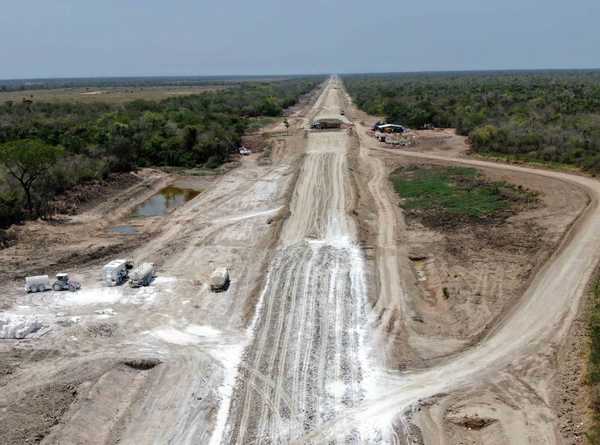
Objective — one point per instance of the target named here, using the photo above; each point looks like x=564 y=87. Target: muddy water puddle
x=165 y=200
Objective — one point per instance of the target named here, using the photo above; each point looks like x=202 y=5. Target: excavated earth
x=336 y=327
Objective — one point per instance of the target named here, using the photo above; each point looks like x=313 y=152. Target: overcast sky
x=73 y=38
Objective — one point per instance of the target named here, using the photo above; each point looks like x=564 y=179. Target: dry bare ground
x=89 y=386
x=325 y=334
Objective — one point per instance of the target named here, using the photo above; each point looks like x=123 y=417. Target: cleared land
x=336 y=328
x=114 y=95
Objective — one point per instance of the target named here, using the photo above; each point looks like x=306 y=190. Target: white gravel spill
x=175 y=336
x=115 y=295
x=108 y=295
x=192 y=334
x=202 y=331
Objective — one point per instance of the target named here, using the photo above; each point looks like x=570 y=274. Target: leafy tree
x=27 y=161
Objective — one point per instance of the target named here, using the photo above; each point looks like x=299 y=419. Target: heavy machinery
x=142 y=275
x=116 y=272
x=63 y=283
x=39 y=283
x=219 y=280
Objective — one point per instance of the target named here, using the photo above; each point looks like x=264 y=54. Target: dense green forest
x=48 y=148
x=542 y=116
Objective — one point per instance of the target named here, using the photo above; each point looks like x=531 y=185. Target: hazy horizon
x=75 y=39
x=282 y=75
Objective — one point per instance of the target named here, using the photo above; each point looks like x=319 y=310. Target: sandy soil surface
x=147 y=365
x=318 y=339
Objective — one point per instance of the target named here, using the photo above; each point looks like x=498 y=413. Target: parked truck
x=39 y=283
x=142 y=275
x=116 y=272
x=219 y=280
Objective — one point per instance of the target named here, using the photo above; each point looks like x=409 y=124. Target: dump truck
x=64 y=283
x=38 y=283
x=219 y=280
x=142 y=275
x=116 y=272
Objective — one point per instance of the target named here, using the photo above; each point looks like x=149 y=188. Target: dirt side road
x=503 y=379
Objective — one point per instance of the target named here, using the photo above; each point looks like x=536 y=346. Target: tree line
x=542 y=116
x=46 y=148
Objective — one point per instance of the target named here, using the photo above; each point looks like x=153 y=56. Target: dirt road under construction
x=304 y=346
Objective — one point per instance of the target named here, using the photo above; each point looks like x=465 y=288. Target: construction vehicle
x=38 y=283
x=116 y=272
x=63 y=283
x=142 y=275
x=219 y=280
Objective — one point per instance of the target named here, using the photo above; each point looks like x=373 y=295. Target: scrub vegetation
x=452 y=196
x=542 y=116
x=61 y=145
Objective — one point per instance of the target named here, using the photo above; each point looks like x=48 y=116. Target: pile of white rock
x=17 y=326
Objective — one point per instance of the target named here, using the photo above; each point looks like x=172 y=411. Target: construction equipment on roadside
x=219 y=280
x=142 y=275
x=244 y=151
x=116 y=272
x=38 y=283
x=390 y=128
x=63 y=283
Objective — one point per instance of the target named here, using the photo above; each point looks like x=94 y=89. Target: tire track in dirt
x=307 y=336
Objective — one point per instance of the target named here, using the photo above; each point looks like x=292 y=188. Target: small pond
x=165 y=200
x=124 y=230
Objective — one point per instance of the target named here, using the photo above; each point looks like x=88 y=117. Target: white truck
x=142 y=275
x=116 y=272
x=39 y=283
x=219 y=280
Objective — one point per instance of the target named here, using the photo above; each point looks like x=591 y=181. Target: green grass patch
x=454 y=195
